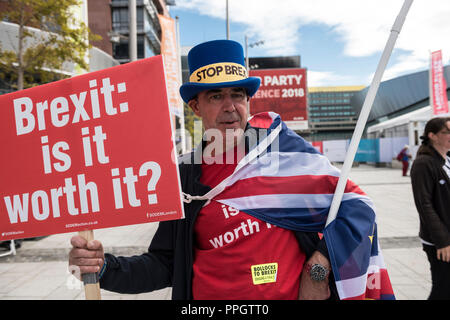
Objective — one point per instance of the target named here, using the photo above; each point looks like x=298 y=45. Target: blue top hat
x=217 y=64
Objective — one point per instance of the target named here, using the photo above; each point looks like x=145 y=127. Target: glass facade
x=330 y=113
x=148 y=29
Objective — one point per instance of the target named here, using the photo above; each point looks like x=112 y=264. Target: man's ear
x=193 y=104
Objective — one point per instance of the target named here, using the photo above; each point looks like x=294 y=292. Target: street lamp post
x=246 y=54
x=251 y=45
x=132 y=39
x=247 y=63
x=227 y=20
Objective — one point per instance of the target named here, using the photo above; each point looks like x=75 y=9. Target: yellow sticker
x=264 y=273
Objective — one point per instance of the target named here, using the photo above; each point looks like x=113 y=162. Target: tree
x=189 y=119
x=37 y=55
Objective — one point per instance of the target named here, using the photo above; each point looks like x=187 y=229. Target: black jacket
x=431 y=189
x=169 y=259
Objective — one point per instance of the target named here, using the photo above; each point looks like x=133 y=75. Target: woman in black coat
x=430 y=177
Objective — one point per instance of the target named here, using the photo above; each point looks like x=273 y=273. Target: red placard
x=94 y=151
x=282 y=91
x=438 y=86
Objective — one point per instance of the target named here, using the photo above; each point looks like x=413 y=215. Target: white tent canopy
x=422 y=114
x=409 y=126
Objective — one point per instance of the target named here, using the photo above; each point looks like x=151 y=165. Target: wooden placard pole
x=90 y=280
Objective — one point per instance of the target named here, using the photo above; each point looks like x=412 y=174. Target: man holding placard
x=256 y=202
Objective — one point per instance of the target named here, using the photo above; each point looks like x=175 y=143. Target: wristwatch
x=317 y=272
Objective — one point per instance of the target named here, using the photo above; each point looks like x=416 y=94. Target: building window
x=120 y=19
x=121 y=49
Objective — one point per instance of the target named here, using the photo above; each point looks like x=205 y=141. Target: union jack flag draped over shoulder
x=285 y=181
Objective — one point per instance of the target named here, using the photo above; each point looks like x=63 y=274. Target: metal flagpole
x=370 y=97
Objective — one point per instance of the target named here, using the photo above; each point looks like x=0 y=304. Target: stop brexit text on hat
x=93 y=151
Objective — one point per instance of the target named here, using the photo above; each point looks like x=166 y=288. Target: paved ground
x=40 y=269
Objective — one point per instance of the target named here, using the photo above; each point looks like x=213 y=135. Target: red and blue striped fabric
x=291 y=185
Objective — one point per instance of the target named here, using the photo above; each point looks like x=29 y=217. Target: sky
x=340 y=42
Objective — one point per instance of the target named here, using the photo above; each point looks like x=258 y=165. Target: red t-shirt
x=237 y=256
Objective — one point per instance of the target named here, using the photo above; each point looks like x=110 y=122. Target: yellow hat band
x=219 y=72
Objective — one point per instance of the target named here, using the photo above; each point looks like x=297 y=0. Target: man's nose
x=228 y=103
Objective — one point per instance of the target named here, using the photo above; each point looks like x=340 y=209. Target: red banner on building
x=169 y=50
x=282 y=91
x=94 y=151
x=438 y=86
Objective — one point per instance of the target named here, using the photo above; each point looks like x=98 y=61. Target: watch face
x=318 y=272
